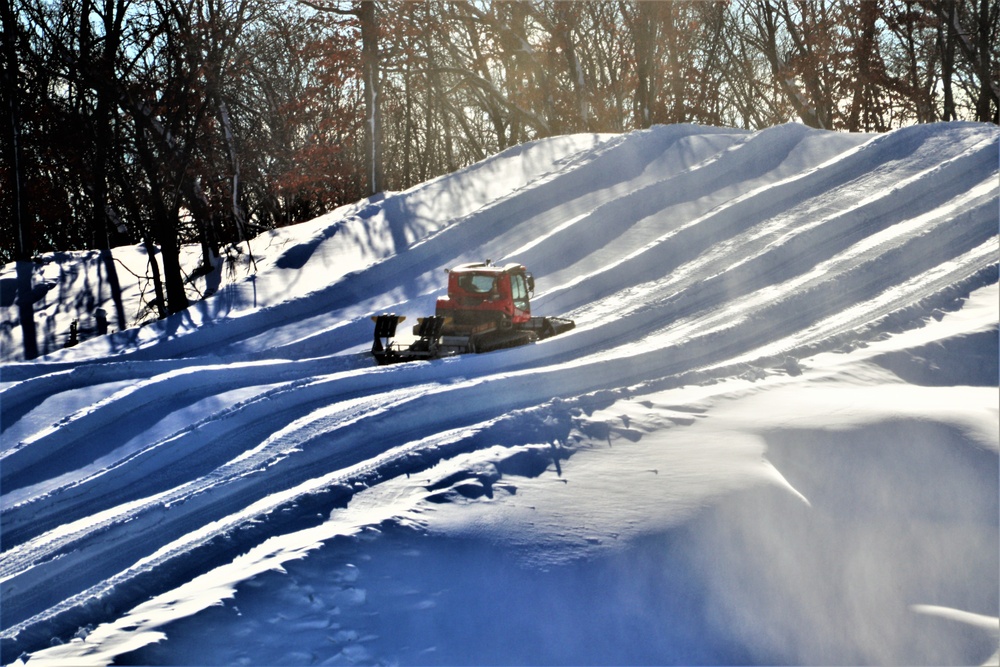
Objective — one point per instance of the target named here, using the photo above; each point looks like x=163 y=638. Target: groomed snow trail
x=136 y=463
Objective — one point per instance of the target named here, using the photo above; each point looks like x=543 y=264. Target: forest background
x=167 y=122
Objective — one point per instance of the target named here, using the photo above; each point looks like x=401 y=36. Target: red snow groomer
x=487 y=308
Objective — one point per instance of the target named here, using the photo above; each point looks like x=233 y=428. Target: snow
x=773 y=436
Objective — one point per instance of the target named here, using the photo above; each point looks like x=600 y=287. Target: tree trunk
x=164 y=228
x=566 y=22
x=159 y=300
x=370 y=74
x=105 y=88
x=678 y=114
x=12 y=129
x=13 y=154
x=864 y=46
x=234 y=161
x=176 y=296
x=986 y=94
x=645 y=42
x=26 y=308
x=946 y=45
x=115 y=286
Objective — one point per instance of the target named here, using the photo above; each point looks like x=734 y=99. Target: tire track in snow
x=99 y=543
x=200 y=511
x=655 y=207
x=115 y=481
x=92 y=432
x=817 y=263
x=796 y=199
x=816 y=288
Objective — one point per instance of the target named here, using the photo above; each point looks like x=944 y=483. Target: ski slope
x=773 y=436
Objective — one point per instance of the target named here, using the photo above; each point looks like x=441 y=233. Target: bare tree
x=975 y=26
x=15 y=182
x=365 y=13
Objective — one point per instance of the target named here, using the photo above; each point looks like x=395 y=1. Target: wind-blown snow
x=773 y=436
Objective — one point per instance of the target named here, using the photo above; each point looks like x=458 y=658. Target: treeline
x=209 y=121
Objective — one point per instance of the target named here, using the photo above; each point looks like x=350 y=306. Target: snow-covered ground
x=773 y=436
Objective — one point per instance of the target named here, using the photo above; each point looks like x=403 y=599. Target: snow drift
x=772 y=437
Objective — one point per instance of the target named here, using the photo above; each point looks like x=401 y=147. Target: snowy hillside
x=773 y=436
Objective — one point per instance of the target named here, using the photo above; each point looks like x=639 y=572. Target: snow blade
x=385 y=330
x=386 y=351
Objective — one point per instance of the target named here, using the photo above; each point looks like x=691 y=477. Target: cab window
x=519 y=291
x=477 y=283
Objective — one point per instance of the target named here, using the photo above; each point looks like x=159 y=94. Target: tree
x=364 y=11
x=15 y=178
x=865 y=111
x=975 y=26
x=367 y=18
x=100 y=56
x=14 y=168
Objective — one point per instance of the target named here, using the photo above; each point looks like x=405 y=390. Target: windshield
x=477 y=283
